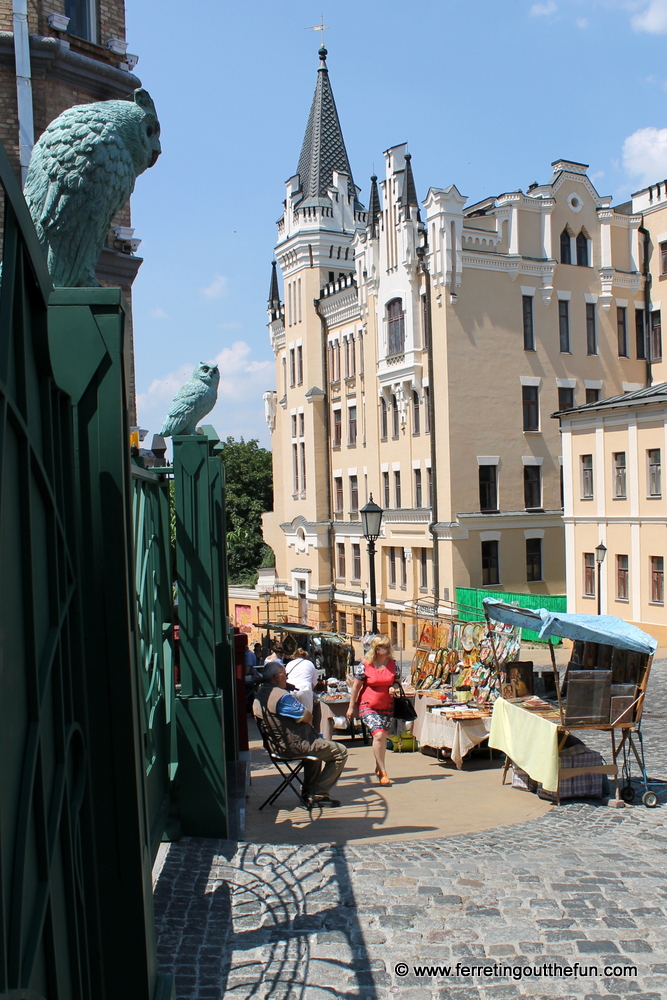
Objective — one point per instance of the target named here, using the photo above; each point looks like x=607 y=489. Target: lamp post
x=267 y=598
x=363 y=612
x=371 y=519
x=600 y=553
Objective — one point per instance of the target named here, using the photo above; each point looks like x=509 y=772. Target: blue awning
x=590 y=628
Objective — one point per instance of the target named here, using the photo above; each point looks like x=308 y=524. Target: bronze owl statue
x=81 y=173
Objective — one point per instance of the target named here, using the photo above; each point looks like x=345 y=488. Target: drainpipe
x=647 y=305
x=23 y=85
x=421 y=254
x=327 y=461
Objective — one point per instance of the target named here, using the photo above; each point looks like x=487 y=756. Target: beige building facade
x=421 y=349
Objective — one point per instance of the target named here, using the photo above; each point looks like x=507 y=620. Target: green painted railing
x=472 y=609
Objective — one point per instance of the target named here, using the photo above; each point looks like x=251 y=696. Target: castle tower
x=321 y=215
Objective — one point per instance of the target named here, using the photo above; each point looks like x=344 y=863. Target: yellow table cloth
x=530 y=742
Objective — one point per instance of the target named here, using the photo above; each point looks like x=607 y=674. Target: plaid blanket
x=582 y=786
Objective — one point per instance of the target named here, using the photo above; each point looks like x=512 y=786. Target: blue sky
x=487 y=93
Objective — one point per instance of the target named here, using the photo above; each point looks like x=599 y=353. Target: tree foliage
x=248 y=494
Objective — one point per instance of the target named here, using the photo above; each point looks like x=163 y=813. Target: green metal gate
x=78 y=677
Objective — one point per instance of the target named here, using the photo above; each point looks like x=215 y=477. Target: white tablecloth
x=458 y=736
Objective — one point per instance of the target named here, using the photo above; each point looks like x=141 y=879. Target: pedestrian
x=374 y=688
x=275 y=653
x=290 y=729
x=302 y=675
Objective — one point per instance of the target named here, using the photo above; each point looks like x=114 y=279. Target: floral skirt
x=376 y=721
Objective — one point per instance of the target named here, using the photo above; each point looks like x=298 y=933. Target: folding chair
x=289 y=768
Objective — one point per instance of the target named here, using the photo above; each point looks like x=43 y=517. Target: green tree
x=249 y=492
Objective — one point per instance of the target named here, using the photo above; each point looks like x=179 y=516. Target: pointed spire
x=323 y=149
x=274 y=291
x=409 y=195
x=374 y=209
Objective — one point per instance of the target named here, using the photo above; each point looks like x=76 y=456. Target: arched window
x=383 y=419
x=395 y=328
x=416 y=422
x=582 y=250
x=565 y=248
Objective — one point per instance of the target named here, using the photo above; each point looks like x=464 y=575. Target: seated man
x=288 y=722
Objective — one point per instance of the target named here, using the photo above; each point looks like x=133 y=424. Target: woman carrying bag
x=374 y=688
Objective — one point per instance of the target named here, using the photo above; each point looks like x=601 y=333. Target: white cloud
x=645 y=154
x=158 y=313
x=581 y=22
x=653 y=19
x=216 y=289
x=544 y=9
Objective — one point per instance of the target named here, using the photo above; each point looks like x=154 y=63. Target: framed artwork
x=520 y=673
x=508 y=691
x=588 y=697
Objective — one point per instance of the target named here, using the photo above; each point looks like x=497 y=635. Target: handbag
x=403 y=708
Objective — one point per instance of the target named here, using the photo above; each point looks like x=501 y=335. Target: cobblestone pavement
x=583 y=884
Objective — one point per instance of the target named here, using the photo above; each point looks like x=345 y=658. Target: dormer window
x=395 y=328
x=565 y=248
x=582 y=250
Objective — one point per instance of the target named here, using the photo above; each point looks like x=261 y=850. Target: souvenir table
x=459 y=735
x=603 y=689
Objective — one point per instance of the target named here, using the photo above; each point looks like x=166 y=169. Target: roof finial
x=322 y=27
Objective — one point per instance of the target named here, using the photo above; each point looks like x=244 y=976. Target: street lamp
x=371 y=519
x=600 y=553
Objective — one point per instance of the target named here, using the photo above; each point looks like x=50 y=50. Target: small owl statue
x=192 y=401
x=81 y=173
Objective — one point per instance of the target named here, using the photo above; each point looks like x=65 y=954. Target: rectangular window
x=589 y=574
x=656 y=336
x=564 y=325
x=356 y=561
x=657 y=580
x=622 y=578
x=292 y=367
x=418 y=487
x=591 y=329
x=404 y=569
x=416 y=421
x=394 y=633
x=352 y=425
x=587 y=477
x=342 y=622
x=565 y=398
x=361 y=353
x=425 y=323
x=490 y=564
x=338 y=494
x=295 y=470
x=427 y=409
x=302 y=455
x=354 y=494
x=337 y=428
x=423 y=569
x=640 y=335
x=531 y=414
x=654 y=472
x=429 y=487
x=533 y=560
x=397 y=489
x=337 y=359
x=299 y=365
x=383 y=418
x=395 y=328
x=528 y=331
x=592 y=395
x=294 y=425
x=488 y=487
x=532 y=486
x=302 y=425
x=622 y=331
x=340 y=564
x=385 y=490
x=663 y=258
x=394 y=417
x=620 y=488
x=392 y=566
x=357 y=626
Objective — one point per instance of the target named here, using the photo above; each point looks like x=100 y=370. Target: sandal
x=384 y=778
x=377 y=770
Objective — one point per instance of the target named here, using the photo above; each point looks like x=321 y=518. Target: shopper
x=373 y=689
x=291 y=732
x=302 y=675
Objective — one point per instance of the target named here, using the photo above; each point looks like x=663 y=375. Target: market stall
x=457 y=676
x=603 y=689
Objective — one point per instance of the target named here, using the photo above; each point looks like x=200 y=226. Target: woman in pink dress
x=374 y=688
